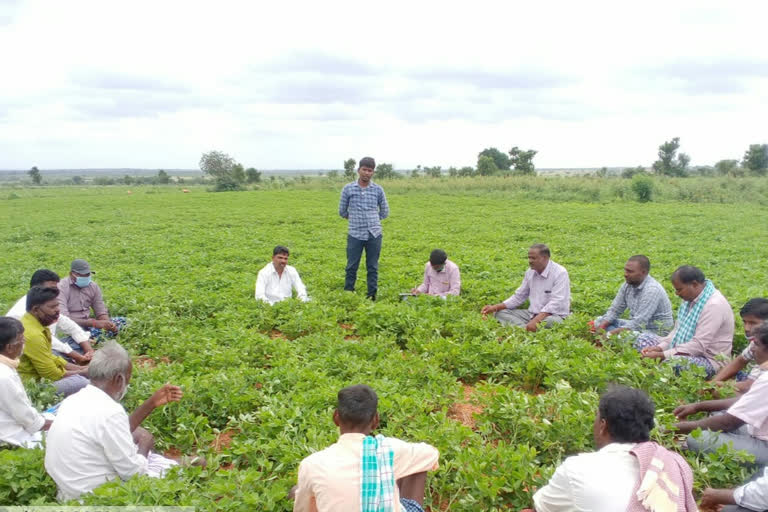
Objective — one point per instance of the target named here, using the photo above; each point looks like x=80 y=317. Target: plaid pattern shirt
x=648 y=304
x=365 y=207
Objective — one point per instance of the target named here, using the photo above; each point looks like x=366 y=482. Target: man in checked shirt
x=364 y=204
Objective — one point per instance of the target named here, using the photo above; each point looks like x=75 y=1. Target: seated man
x=745 y=420
x=627 y=470
x=37 y=361
x=79 y=294
x=20 y=423
x=360 y=471
x=82 y=351
x=441 y=276
x=704 y=330
x=547 y=286
x=278 y=279
x=93 y=440
x=648 y=304
x=751 y=496
x=753 y=314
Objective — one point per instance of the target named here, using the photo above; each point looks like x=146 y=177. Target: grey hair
x=108 y=362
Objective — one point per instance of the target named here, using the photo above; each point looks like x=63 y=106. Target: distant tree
x=433 y=172
x=453 y=172
x=522 y=161
x=77 y=180
x=501 y=160
x=252 y=175
x=103 y=180
x=127 y=179
x=601 y=172
x=34 y=173
x=162 y=177
x=416 y=172
x=466 y=171
x=349 y=168
x=728 y=168
x=631 y=171
x=385 y=172
x=486 y=166
x=228 y=174
x=756 y=159
x=669 y=162
x=333 y=175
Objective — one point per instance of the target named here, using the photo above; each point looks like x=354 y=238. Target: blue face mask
x=82 y=282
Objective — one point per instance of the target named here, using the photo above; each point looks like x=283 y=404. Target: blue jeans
x=355 y=248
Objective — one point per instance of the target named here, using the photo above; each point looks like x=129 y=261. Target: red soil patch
x=148 y=362
x=224 y=440
x=348 y=327
x=351 y=337
x=274 y=334
x=172 y=453
x=227 y=467
x=464 y=411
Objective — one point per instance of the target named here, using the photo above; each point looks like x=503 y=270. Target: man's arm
x=641 y=317
x=521 y=294
x=43 y=361
x=454 y=278
x=304 y=499
x=557 y=495
x=99 y=308
x=706 y=330
x=383 y=205
x=617 y=308
x=424 y=286
x=14 y=401
x=167 y=393
x=731 y=369
x=344 y=203
x=70 y=327
x=721 y=422
x=119 y=448
x=560 y=298
x=412 y=458
x=298 y=285
x=261 y=287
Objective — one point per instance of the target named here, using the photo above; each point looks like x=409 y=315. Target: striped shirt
x=648 y=304
x=365 y=207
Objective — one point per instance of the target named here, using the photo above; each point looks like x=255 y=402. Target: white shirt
x=272 y=288
x=66 y=324
x=754 y=494
x=90 y=443
x=600 y=481
x=19 y=421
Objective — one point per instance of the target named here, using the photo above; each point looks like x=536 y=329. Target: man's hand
x=714 y=497
x=415 y=291
x=79 y=358
x=532 y=326
x=167 y=393
x=653 y=353
x=684 y=411
x=103 y=324
x=490 y=309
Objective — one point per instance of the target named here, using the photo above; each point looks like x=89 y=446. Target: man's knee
x=143 y=438
x=706 y=440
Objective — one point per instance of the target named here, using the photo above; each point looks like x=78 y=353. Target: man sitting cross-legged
x=744 y=423
x=362 y=472
x=93 y=440
x=628 y=472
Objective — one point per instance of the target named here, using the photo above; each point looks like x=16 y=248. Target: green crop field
x=503 y=406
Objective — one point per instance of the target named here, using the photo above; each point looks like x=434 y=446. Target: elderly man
x=278 y=279
x=79 y=294
x=364 y=204
x=362 y=471
x=547 y=286
x=93 y=440
x=703 y=335
x=37 y=361
x=20 y=423
x=80 y=352
x=627 y=471
x=648 y=304
x=744 y=424
x=441 y=276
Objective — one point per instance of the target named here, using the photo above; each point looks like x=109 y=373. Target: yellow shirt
x=37 y=361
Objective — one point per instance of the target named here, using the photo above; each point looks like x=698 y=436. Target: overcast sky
x=305 y=85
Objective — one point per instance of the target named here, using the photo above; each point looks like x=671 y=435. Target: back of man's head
x=628 y=414
x=357 y=405
x=38 y=295
x=757 y=307
x=43 y=276
x=108 y=362
x=641 y=260
x=437 y=257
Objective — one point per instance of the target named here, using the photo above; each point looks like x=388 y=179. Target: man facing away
x=647 y=301
x=364 y=204
x=441 y=276
x=547 y=286
x=628 y=472
x=362 y=472
x=79 y=294
x=277 y=280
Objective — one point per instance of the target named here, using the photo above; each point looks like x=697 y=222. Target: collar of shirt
x=641 y=285
x=545 y=273
x=617 y=447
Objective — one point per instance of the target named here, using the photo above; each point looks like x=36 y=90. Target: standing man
x=648 y=304
x=364 y=204
x=79 y=294
x=547 y=286
x=278 y=279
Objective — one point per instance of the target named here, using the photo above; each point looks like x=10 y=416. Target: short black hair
x=9 y=329
x=437 y=257
x=628 y=414
x=688 y=274
x=40 y=295
x=542 y=249
x=280 y=249
x=755 y=307
x=43 y=275
x=357 y=405
x=643 y=260
x=760 y=335
x=367 y=161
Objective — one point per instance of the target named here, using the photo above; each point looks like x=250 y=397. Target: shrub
x=642 y=186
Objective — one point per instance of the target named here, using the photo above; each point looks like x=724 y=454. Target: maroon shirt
x=76 y=303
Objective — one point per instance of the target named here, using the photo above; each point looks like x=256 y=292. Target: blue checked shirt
x=648 y=305
x=365 y=208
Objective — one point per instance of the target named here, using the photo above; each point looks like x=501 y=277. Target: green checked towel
x=377 y=482
x=688 y=316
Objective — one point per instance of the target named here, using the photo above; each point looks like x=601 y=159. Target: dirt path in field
x=464 y=410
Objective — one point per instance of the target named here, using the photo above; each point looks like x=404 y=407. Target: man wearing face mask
x=37 y=361
x=79 y=294
x=93 y=440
